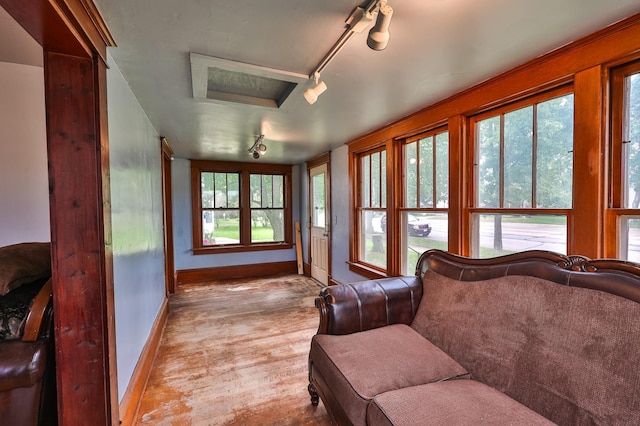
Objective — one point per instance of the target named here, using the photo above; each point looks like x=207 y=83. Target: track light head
x=312 y=93
x=261 y=149
x=256 y=155
x=379 y=34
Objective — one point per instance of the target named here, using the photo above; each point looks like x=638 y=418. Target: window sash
x=253 y=207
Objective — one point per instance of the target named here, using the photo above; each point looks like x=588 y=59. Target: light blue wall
x=182 y=233
x=136 y=207
x=340 y=217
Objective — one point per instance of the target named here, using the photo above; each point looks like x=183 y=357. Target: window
x=371 y=208
x=240 y=206
x=625 y=151
x=424 y=218
x=523 y=176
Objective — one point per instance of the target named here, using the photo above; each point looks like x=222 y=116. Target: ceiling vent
x=222 y=80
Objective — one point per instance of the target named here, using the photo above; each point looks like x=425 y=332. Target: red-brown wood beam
x=81 y=256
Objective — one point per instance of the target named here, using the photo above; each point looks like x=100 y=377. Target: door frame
x=167 y=216
x=315 y=162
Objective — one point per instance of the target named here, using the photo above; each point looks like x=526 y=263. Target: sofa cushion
x=455 y=402
x=359 y=366
x=568 y=353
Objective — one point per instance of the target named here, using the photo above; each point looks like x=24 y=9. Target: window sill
x=241 y=248
x=366 y=271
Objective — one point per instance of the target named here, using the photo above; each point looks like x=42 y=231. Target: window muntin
x=372 y=240
x=424 y=218
x=523 y=162
x=240 y=206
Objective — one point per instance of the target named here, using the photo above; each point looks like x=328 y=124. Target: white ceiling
x=437 y=48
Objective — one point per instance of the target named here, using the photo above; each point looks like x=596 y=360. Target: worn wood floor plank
x=235 y=353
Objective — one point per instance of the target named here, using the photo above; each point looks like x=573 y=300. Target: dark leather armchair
x=27 y=368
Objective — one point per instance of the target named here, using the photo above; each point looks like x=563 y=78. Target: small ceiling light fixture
x=379 y=34
x=360 y=18
x=258 y=148
x=312 y=93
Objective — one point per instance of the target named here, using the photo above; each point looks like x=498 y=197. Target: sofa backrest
x=559 y=334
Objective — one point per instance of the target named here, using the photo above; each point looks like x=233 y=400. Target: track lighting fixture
x=312 y=93
x=258 y=148
x=360 y=18
x=379 y=34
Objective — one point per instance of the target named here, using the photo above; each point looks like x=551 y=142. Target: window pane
x=278 y=191
x=373 y=241
x=383 y=179
x=500 y=234
x=442 y=170
x=366 y=181
x=631 y=147
x=411 y=174
x=554 y=180
x=630 y=238
x=221 y=192
x=206 y=184
x=233 y=190
x=267 y=225
x=426 y=172
x=518 y=158
x=220 y=227
x=375 y=179
x=256 y=190
x=423 y=232
x=488 y=158
x=318 y=189
x=267 y=191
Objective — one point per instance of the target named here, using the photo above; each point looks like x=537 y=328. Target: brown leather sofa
x=27 y=367
x=529 y=338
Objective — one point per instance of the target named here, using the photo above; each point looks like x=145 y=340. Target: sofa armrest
x=22 y=364
x=349 y=308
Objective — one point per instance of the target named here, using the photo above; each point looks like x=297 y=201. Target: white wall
x=182 y=227
x=136 y=207
x=24 y=191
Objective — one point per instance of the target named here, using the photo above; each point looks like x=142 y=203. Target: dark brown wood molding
x=306 y=267
x=190 y=276
x=133 y=395
x=320 y=159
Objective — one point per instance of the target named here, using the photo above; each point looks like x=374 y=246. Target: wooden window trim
x=245 y=170
x=615 y=208
x=355 y=263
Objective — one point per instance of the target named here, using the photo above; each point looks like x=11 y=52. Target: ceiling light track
x=360 y=18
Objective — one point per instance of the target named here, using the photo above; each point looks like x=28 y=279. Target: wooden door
x=320 y=221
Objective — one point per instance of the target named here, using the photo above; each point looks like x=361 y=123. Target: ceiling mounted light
x=379 y=34
x=258 y=148
x=312 y=93
x=360 y=18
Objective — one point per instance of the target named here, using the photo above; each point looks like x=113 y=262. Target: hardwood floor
x=235 y=353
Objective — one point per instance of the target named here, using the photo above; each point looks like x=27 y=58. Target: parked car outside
x=416 y=226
